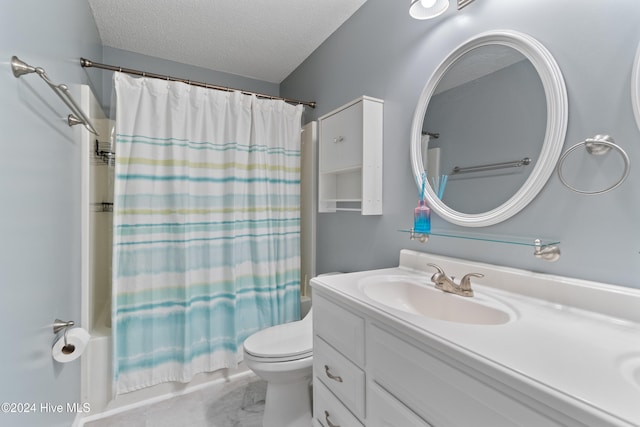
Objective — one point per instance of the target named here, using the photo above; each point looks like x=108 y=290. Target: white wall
x=384 y=53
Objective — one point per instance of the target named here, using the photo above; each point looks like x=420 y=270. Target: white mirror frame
x=635 y=87
x=557 y=118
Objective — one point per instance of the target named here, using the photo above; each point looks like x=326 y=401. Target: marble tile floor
x=239 y=403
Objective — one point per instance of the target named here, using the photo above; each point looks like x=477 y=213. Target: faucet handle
x=465 y=282
x=440 y=271
x=437 y=277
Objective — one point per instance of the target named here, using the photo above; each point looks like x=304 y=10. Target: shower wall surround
x=382 y=52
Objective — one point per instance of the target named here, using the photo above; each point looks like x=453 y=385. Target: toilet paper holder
x=59 y=325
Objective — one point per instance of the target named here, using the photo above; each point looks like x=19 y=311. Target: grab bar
x=77 y=116
x=515 y=164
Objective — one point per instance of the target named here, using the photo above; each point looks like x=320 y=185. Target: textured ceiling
x=265 y=40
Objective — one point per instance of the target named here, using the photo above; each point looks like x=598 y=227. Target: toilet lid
x=292 y=340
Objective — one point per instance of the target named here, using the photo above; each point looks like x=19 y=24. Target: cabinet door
x=440 y=392
x=339 y=327
x=341 y=140
x=387 y=411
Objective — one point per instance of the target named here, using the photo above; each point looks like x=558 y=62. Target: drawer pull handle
x=329 y=423
x=338 y=139
x=331 y=376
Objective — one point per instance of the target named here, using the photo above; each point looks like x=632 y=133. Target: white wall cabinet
x=350 y=158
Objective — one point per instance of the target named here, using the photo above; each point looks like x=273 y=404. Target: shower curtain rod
x=87 y=63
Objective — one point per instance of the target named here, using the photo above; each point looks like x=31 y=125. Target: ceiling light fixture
x=427 y=9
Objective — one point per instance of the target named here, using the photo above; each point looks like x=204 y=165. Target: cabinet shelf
x=342 y=170
x=342 y=200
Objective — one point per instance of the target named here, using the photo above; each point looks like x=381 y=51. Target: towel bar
x=514 y=164
x=77 y=116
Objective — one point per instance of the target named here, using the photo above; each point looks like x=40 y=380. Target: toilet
x=282 y=355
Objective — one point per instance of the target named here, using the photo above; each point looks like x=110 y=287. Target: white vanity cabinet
x=563 y=352
x=350 y=158
x=367 y=373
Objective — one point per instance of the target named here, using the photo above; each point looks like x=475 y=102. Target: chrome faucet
x=446 y=284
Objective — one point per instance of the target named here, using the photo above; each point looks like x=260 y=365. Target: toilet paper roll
x=77 y=339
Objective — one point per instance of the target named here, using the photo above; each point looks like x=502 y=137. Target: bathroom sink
x=635 y=377
x=630 y=368
x=412 y=296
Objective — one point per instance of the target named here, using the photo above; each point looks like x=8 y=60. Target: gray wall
x=136 y=61
x=40 y=198
x=384 y=53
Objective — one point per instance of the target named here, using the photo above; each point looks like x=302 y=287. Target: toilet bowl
x=282 y=355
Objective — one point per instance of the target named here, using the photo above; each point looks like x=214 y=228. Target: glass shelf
x=511 y=240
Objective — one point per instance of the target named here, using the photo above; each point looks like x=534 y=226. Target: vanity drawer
x=340 y=375
x=440 y=393
x=328 y=411
x=339 y=327
x=386 y=411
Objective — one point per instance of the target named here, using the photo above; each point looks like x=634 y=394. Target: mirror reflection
x=488 y=112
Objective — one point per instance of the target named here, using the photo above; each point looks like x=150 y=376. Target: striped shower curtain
x=206 y=227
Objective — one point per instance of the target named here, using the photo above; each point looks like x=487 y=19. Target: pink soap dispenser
x=422 y=218
x=422 y=213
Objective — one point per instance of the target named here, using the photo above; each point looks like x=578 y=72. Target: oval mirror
x=490 y=124
x=635 y=87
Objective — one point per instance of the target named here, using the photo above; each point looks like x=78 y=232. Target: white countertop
x=575 y=339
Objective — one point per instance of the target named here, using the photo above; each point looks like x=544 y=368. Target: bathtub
x=97 y=369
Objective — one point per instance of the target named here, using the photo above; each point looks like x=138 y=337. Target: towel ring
x=598 y=145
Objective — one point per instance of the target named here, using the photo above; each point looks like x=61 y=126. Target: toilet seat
x=281 y=343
